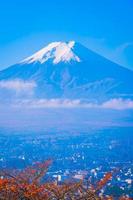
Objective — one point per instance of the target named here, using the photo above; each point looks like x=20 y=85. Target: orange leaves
x=3 y=184
x=24 y=184
x=27 y=185
x=31 y=191
x=102 y=182
x=64 y=191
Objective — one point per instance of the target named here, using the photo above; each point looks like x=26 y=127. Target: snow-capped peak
x=57 y=51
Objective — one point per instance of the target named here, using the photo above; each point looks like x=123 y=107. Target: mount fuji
x=68 y=70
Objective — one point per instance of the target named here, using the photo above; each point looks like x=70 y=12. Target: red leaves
x=24 y=184
x=27 y=185
x=103 y=182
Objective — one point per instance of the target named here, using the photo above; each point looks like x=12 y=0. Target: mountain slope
x=70 y=70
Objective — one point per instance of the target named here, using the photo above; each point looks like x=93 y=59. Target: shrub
x=28 y=184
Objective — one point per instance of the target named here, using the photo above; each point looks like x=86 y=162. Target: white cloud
x=54 y=103
x=116 y=104
x=18 y=85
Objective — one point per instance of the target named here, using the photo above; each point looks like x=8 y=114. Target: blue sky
x=105 y=26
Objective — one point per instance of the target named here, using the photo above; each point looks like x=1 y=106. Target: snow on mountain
x=68 y=70
x=58 y=51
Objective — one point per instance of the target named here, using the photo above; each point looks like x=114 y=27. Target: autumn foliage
x=29 y=184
